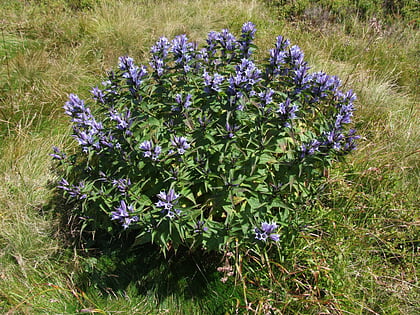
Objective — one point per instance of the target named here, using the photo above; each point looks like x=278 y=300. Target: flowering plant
x=205 y=146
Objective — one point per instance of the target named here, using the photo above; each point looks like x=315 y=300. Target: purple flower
x=122 y=184
x=132 y=73
x=287 y=111
x=248 y=30
x=167 y=201
x=85 y=138
x=231 y=130
x=247 y=36
x=203 y=121
x=227 y=41
x=122 y=214
x=98 y=95
x=346 y=98
x=266 y=97
x=200 y=228
x=183 y=103
x=301 y=77
x=161 y=47
x=125 y=63
x=63 y=184
x=86 y=128
x=181 y=144
x=278 y=55
x=267 y=232
x=183 y=51
x=295 y=57
x=350 y=143
x=109 y=140
x=58 y=155
x=212 y=43
x=159 y=53
x=75 y=107
x=334 y=139
x=322 y=84
x=212 y=83
x=74 y=191
x=310 y=148
x=246 y=76
x=150 y=151
x=124 y=121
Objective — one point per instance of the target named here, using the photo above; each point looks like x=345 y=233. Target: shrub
x=205 y=146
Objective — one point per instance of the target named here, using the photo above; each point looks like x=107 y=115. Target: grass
x=358 y=255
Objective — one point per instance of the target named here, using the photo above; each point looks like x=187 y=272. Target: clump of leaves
x=205 y=145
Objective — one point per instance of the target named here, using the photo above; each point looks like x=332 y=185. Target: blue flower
x=86 y=129
x=98 y=95
x=350 y=143
x=74 y=191
x=310 y=148
x=231 y=129
x=161 y=48
x=287 y=111
x=167 y=201
x=212 y=83
x=247 y=36
x=181 y=144
x=212 y=43
x=266 y=97
x=159 y=53
x=278 y=55
x=122 y=184
x=124 y=121
x=322 y=84
x=334 y=139
x=132 y=73
x=183 y=51
x=228 y=42
x=267 y=232
x=296 y=57
x=125 y=63
x=246 y=76
x=200 y=228
x=122 y=214
x=184 y=103
x=150 y=151
x=58 y=155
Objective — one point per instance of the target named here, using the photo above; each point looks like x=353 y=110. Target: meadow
x=359 y=250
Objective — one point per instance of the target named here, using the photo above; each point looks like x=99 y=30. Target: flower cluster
x=287 y=111
x=167 y=201
x=123 y=214
x=196 y=146
x=266 y=232
x=183 y=51
x=159 y=53
x=246 y=76
x=149 y=150
x=134 y=74
x=74 y=191
x=181 y=144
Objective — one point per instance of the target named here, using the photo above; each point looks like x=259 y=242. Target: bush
x=205 y=146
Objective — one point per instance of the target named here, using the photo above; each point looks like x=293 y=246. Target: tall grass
x=359 y=252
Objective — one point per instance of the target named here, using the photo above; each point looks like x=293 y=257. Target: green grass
x=359 y=252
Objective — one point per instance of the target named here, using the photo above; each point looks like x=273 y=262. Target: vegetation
x=358 y=252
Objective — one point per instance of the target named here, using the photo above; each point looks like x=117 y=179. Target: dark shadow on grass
x=111 y=264
x=113 y=268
